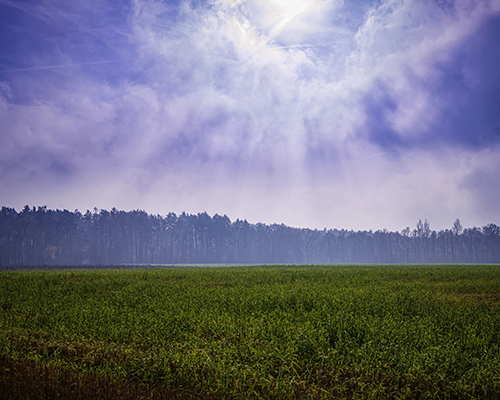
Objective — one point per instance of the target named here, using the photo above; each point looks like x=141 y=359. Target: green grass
x=265 y=332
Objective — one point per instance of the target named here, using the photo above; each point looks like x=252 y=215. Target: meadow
x=284 y=332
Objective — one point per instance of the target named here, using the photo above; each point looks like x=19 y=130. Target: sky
x=363 y=114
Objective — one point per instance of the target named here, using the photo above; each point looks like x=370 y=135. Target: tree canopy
x=40 y=236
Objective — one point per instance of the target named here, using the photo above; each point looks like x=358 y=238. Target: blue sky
x=313 y=113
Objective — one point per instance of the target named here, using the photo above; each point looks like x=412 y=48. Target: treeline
x=40 y=236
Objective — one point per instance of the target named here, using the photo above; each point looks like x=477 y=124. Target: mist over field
x=360 y=115
x=60 y=238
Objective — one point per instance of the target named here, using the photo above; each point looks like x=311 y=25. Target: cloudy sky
x=362 y=114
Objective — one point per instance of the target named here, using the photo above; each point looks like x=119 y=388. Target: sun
x=289 y=5
x=283 y=12
x=281 y=20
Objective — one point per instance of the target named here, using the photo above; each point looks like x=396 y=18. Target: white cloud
x=261 y=110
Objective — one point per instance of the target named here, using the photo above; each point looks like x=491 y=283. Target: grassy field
x=252 y=332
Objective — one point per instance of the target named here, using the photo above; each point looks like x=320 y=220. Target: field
x=252 y=332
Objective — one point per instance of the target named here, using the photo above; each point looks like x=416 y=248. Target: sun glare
x=257 y=22
x=284 y=11
x=289 y=5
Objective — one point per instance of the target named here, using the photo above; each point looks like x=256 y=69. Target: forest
x=40 y=236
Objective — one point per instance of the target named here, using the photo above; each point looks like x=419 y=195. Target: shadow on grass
x=27 y=380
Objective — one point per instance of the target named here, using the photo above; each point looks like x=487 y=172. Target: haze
x=315 y=113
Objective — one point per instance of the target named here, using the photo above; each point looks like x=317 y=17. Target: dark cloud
x=471 y=89
x=465 y=90
x=378 y=107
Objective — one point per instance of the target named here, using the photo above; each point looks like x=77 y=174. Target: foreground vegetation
x=254 y=332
